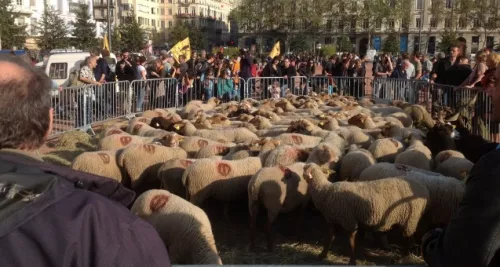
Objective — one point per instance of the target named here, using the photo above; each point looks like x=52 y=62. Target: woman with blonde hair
x=474 y=79
x=489 y=83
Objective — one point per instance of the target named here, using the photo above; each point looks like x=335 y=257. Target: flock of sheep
x=365 y=167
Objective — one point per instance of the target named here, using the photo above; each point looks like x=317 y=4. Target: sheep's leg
x=271 y=217
x=381 y=238
x=299 y=226
x=407 y=246
x=352 y=246
x=328 y=242
x=254 y=211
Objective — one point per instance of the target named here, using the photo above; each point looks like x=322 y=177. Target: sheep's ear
x=177 y=126
x=445 y=157
x=321 y=123
x=394 y=142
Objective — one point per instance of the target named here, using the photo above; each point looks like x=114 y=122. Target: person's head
x=332 y=59
x=463 y=60
x=440 y=56
x=487 y=51
x=90 y=61
x=194 y=55
x=182 y=58
x=276 y=60
x=210 y=58
x=276 y=84
x=95 y=52
x=493 y=60
x=125 y=54
x=357 y=63
x=28 y=125
x=310 y=62
x=163 y=54
x=405 y=64
x=481 y=58
x=454 y=51
x=141 y=60
x=203 y=53
x=286 y=62
x=405 y=56
x=417 y=56
x=105 y=53
x=158 y=63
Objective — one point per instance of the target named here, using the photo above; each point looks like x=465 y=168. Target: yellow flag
x=181 y=48
x=105 y=44
x=275 y=51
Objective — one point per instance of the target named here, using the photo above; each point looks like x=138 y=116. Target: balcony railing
x=185 y=15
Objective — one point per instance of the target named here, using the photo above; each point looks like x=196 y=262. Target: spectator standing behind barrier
x=86 y=95
x=208 y=84
x=356 y=70
x=225 y=87
x=458 y=73
x=382 y=69
x=155 y=73
x=288 y=72
x=126 y=68
x=245 y=70
x=477 y=74
x=101 y=71
x=417 y=65
x=53 y=216
x=140 y=83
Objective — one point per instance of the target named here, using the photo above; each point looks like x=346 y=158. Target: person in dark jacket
x=101 y=71
x=472 y=237
x=458 y=73
x=288 y=72
x=126 y=67
x=245 y=70
x=52 y=216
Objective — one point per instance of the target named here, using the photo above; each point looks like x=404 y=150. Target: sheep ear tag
x=177 y=127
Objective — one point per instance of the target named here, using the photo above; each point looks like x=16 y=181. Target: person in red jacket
x=52 y=216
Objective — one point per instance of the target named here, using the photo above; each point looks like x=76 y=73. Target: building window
x=462 y=23
x=163 y=11
x=329 y=24
x=341 y=25
x=418 y=22
x=434 y=22
x=58 y=71
x=153 y=10
x=33 y=26
x=170 y=1
x=449 y=3
x=491 y=22
x=353 y=24
x=163 y=24
x=477 y=23
x=366 y=24
x=169 y=23
x=416 y=44
x=447 y=22
x=475 y=44
x=390 y=24
x=405 y=23
x=192 y=22
x=431 y=45
x=153 y=23
x=186 y=10
x=490 y=41
x=193 y=11
x=179 y=11
x=420 y=4
x=378 y=23
x=170 y=11
x=19 y=2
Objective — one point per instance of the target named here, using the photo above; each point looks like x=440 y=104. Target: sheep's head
x=387 y=129
x=213 y=101
x=160 y=123
x=325 y=154
x=396 y=143
x=313 y=171
x=172 y=139
x=358 y=120
x=245 y=117
x=279 y=110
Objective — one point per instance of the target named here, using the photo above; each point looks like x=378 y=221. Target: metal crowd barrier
x=347 y=86
x=80 y=107
x=265 y=87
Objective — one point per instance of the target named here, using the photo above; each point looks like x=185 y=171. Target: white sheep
x=298 y=139
x=222 y=179
x=281 y=190
x=170 y=175
x=141 y=162
x=354 y=163
x=386 y=149
x=446 y=154
x=184 y=228
x=376 y=206
x=286 y=155
x=102 y=163
x=119 y=141
x=193 y=144
x=445 y=192
x=416 y=155
x=236 y=135
x=455 y=167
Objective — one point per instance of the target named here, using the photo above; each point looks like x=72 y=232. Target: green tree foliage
x=10 y=33
x=448 y=38
x=328 y=51
x=181 y=31
x=344 y=44
x=485 y=12
x=391 y=44
x=116 y=42
x=83 y=32
x=132 y=36
x=52 y=29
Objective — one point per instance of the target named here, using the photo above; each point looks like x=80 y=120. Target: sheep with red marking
x=236 y=135
x=225 y=180
x=280 y=190
x=354 y=163
x=119 y=141
x=102 y=163
x=184 y=228
x=193 y=144
x=286 y=155
x=141 y=162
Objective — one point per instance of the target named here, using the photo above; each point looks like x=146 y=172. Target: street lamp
x=111 y=6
